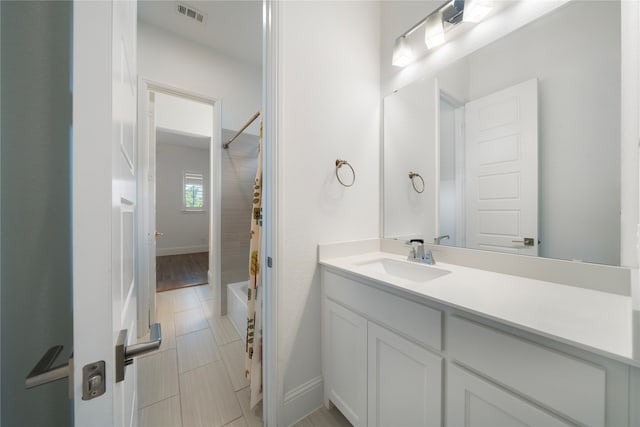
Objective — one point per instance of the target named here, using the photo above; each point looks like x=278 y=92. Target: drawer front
x=568 y=385
x=416 y=321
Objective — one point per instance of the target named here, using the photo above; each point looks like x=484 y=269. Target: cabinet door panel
x=346 y=364
x=404 y=382
x=475 y=402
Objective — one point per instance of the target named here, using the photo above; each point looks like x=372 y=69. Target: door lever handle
x=527 y=241
x=125 y=353
x=43 y=373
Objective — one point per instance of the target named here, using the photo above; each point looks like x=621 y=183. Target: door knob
x=158 y=234
x=125 y=353
x=44 y=373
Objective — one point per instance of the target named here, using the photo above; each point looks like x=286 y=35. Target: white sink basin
x=413 y=272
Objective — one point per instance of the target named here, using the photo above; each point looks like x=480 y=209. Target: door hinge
x=269 y=262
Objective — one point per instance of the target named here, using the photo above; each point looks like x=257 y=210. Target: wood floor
x=181 y=271
x=196 y=378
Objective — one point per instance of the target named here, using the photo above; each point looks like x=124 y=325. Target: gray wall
x=36 y=310
x=183 y=232
x=239 y=164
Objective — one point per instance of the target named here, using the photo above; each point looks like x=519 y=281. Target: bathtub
x=237 y=294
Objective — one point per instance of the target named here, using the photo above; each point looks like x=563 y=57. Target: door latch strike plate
x=93 y=380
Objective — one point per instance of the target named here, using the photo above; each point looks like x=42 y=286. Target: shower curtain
x=253 y=349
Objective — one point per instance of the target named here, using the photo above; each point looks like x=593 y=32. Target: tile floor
x=197 y=376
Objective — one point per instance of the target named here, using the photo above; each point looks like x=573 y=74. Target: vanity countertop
x=597 y=321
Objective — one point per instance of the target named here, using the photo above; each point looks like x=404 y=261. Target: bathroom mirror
x=518 y=143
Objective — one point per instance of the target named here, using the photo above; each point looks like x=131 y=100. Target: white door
x=404 y=382
x=104 y=194
x=502 y=170
x=475 y=402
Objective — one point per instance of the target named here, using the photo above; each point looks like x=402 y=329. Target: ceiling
x=167 y=136
x=233 y=27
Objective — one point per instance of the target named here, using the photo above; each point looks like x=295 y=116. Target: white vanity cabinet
x=385 y=363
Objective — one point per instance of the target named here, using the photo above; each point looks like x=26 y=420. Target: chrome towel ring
x=339 y=164
x=412 y=176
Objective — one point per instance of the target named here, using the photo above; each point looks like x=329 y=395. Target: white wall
x=171 y=60
x=183 y=232
x=330 y=100
x=183 y=115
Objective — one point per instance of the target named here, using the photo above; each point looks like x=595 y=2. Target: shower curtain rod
x=246 y=125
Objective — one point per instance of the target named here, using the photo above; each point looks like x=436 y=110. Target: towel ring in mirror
x=339 y=164
x=412 y=177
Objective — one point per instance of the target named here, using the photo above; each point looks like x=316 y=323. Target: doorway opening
x=203 y=349
x=179 y=193
x=183 y=194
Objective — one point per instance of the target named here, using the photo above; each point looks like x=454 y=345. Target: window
x=193 y=191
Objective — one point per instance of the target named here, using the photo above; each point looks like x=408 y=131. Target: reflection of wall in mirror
x=409 y=129
x=447 y=209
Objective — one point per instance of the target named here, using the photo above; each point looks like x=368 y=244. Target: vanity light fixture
x=437 y=23
x=402 y=53
x=434 y=30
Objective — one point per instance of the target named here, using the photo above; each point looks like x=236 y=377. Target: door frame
x=459 y=163
x=272 y=377
x=146 y=290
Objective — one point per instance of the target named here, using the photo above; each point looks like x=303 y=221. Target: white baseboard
x=181 y=250
x=303 y=400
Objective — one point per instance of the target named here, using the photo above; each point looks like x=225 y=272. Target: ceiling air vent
x=192 y=13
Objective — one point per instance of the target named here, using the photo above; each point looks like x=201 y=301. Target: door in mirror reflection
x=498 y=164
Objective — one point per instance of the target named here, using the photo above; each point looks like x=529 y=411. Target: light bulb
x=402 y=53
x=434 y=30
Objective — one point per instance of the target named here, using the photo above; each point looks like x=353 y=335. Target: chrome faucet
x=438 y=239
x=418 y=253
